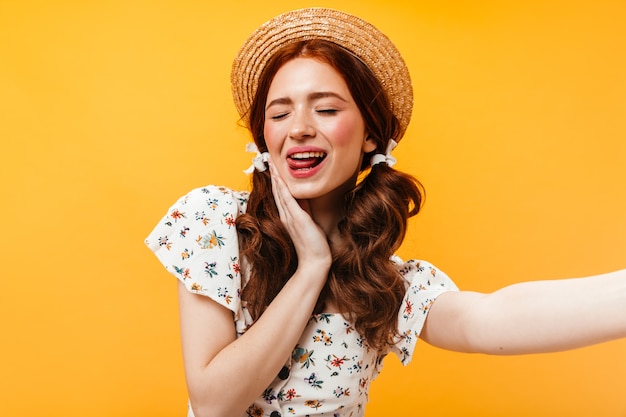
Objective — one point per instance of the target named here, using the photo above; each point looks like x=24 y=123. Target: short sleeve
x=197 y=242
x=425 y=284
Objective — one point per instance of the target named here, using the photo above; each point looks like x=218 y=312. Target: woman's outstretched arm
x=225 y=374
x=531 y=317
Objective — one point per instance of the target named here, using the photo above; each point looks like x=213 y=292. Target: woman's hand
x=309 y=239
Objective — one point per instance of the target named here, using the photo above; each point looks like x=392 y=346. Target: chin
x=329 y=193
x=305 y=194
x=306 y=191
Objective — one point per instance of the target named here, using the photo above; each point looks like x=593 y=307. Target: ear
x=369 y=145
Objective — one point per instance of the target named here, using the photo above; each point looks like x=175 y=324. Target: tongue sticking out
x=304 y=162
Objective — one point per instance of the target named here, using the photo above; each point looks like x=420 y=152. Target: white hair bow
x=387 y=158
x=258 y=161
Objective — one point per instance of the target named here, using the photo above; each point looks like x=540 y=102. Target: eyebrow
x=312 y=97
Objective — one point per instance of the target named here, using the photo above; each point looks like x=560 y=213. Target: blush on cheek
x=344 y=132
x=270 y=133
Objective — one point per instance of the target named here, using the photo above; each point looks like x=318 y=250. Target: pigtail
x=363 y=280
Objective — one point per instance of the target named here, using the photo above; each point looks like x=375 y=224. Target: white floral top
x=331 y=367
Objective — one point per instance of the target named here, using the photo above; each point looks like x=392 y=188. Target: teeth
x=305 y=155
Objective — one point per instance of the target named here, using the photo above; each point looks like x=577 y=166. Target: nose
x=301 y=125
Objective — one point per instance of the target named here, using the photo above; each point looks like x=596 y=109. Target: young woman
x=291 y=295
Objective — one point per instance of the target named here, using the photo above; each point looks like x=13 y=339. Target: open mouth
x=305 y=160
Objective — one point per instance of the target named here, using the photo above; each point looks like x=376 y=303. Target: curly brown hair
x=362 y=281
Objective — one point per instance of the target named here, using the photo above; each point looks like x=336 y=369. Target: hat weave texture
x=352 y=33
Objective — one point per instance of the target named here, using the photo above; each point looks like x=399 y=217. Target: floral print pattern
x=331 y=367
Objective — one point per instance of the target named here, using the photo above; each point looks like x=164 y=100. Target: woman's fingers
x=288 y=208
x=307 y=236
x=284 y=200
x=276 y=191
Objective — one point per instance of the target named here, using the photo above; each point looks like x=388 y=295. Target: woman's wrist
x=316 y=269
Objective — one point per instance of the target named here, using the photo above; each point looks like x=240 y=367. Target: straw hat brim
x=352 y=33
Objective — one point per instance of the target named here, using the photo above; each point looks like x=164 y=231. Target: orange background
x=110 y=110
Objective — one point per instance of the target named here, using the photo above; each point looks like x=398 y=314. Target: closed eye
x=328 y=111
x=279 y=116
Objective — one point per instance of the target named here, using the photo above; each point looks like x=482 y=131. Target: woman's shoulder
x=196 y=241
x=214 y=198
x=425 y=282
x=198 y=212
x=413 y=268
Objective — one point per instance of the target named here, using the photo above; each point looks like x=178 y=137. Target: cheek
x=348 y=132
x=271 y=133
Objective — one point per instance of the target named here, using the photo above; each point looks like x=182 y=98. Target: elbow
x=202 y=410
x=202 y=407
x=205 y=402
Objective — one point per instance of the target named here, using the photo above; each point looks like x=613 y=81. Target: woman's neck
x=327 y=211
x=326 y=217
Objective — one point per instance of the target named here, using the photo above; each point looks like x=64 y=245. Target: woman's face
x=314 y=130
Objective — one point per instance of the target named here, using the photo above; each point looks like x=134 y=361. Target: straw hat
x=354 y=34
